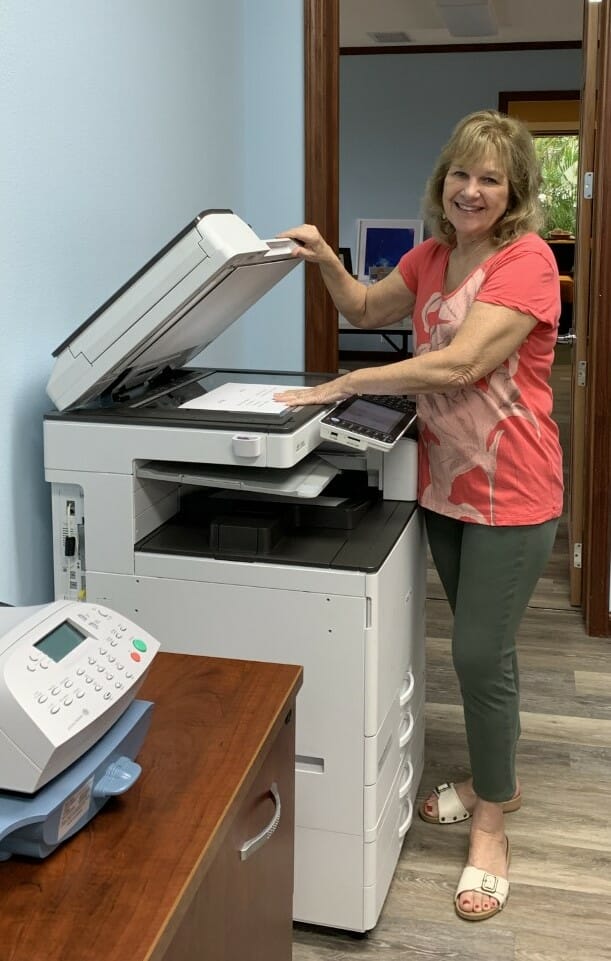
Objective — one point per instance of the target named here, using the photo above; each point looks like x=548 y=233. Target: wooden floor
x=560 y=903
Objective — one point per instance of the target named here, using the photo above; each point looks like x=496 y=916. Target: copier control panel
x=369 y=420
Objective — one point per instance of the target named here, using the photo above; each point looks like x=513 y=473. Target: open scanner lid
x=174 y=307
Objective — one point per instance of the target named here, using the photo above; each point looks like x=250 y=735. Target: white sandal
x=450 y=808
x=482 y=882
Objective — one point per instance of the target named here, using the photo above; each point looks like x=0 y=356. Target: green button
x=138 y=644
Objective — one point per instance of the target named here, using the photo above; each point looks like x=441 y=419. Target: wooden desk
x=157 y=876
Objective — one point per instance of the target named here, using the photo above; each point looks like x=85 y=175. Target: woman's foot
x=461 y=804
x=488 y=851
x=467 y=796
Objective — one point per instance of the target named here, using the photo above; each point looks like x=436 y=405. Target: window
x=559 y=157
x=552 y=116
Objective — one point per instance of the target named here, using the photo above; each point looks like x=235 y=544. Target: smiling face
x=475 y=196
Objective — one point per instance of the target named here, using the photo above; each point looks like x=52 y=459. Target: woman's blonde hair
x=474 y=139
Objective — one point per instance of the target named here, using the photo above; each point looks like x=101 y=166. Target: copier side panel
x=68 y=523
x=395 y=636
x=105 y=503
x=322 y=632
x=124 y=510
x=338 y=858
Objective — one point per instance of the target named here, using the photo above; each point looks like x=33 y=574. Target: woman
x=484 y=297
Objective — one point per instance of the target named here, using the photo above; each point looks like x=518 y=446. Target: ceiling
x=442 y=22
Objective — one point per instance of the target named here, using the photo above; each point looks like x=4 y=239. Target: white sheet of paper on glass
x=248 y=398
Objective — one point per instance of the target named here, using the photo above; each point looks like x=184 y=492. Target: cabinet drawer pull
x=249 y=847
x=406 y=729
x=407 y=689
x=406 y=782
x=407 y=820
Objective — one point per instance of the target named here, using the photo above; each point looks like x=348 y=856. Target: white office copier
x=233 y=530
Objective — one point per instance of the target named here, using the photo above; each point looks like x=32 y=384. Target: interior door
x=581 y=303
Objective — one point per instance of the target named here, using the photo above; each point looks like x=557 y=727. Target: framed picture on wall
x=345 y=255
x=381 y=244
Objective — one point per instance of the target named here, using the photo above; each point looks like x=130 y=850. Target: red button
x=135 y=656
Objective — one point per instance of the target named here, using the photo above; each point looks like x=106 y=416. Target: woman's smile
x=475 y=197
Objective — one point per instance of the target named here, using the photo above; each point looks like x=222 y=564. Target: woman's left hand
x=328 y=393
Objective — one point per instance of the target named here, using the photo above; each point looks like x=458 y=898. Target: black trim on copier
x=193 y=419
x=159 y=405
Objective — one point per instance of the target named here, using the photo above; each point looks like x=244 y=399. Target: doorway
x=321 y=22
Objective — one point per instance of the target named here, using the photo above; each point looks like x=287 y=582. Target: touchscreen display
x=61 y=641
x=372 y=415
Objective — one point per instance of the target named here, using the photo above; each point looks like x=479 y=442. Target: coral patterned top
x=489 y=453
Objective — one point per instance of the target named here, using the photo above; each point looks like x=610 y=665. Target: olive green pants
x=489 y=574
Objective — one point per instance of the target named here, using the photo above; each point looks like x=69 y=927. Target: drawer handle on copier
x=406 y=783
x=407 y=689
x=249 y=847
x=405 y=734
x=407 y=820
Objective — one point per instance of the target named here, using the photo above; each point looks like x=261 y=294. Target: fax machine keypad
x=103 y=670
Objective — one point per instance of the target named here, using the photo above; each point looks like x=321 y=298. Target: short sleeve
x=411 y=263
x=525 y=279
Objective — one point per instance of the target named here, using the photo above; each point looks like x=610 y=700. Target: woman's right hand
x=311 y=245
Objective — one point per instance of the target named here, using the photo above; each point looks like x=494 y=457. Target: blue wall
x=397 y=111
x=121 y=121
x=270 y=335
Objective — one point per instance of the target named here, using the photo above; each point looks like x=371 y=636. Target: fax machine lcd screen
x=374 y=416
x=60 y=641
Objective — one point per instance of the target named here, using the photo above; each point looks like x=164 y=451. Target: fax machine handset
x=67 y=673
x=369 y=421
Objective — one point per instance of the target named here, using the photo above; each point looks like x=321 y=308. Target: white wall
x=120 y=122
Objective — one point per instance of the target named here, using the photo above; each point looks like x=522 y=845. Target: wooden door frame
x=584 y=282
x=597 y=520
x=321 y=39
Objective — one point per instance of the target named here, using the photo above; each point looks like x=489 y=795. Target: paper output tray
x=307 y=479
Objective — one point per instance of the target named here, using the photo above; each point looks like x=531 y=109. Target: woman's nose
x=471 y=187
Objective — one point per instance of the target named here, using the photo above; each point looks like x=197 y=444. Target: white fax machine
x=238 y=531
x=69 y=726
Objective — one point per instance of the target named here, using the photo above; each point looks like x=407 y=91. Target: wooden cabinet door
x=244 y=908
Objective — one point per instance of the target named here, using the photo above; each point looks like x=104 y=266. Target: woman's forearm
x=364 y=306
x=434 y=372
x=389 y=301
x=348 y=295
x=428 y=373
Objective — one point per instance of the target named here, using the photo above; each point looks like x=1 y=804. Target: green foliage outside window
x=559 y=157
